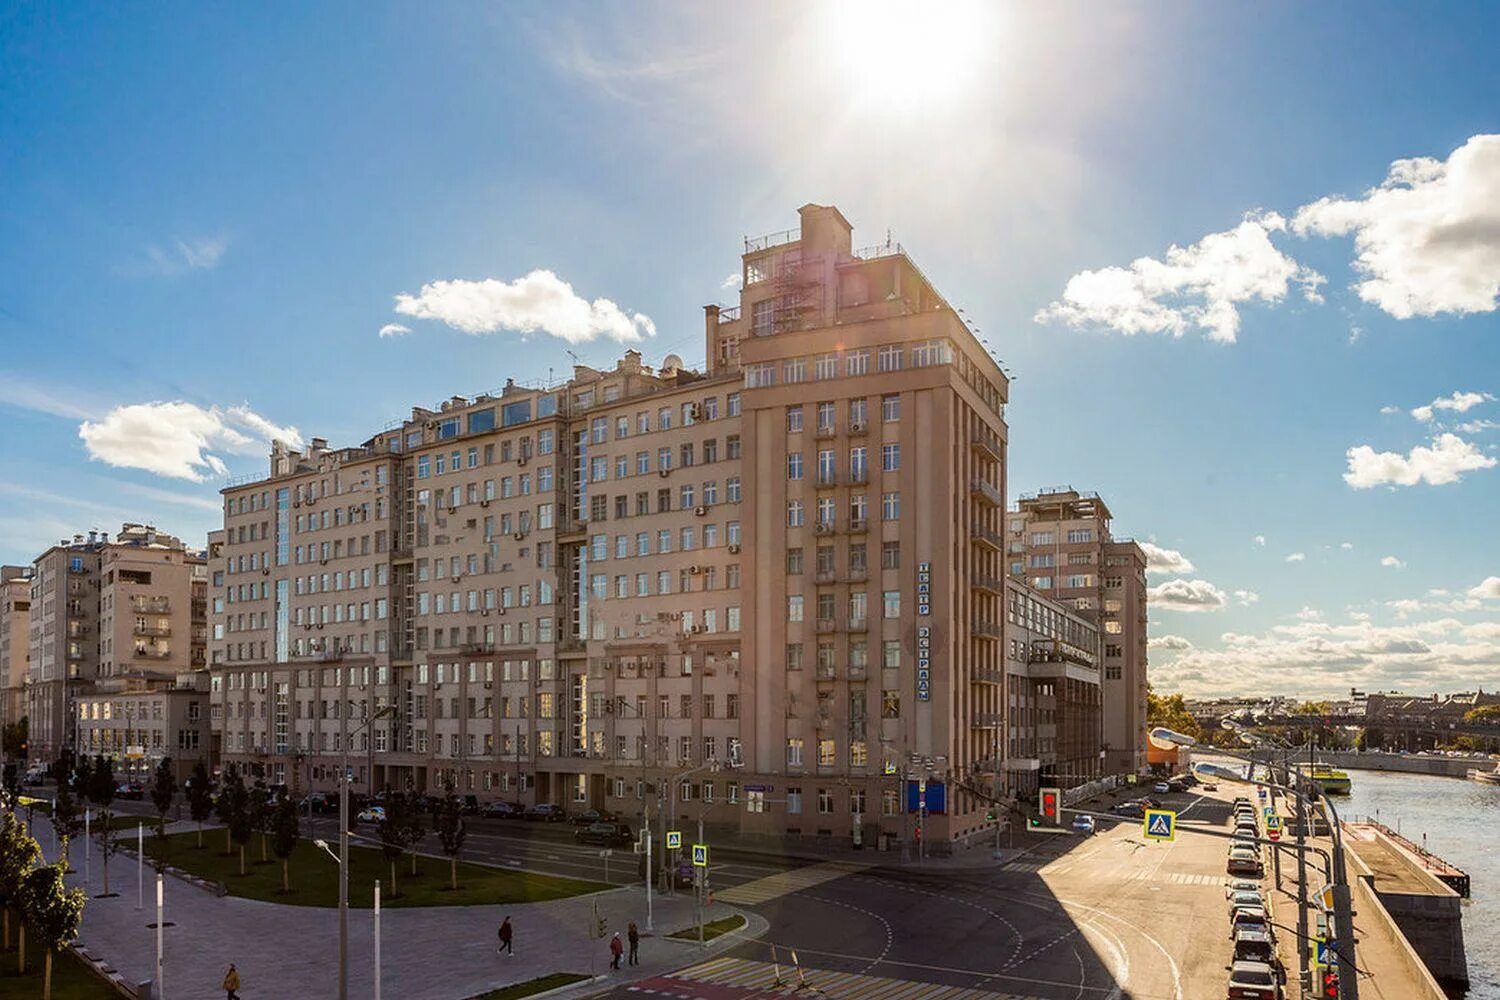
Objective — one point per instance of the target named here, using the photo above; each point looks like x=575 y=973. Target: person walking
x=616 y=949
x=505 y=938
x=634 y=934
x=231 y=983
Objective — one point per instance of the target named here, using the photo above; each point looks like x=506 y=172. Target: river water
x=1462 y=822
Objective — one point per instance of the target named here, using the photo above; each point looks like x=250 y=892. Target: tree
x=231 y=800
x=450 y=828
x=259 y=810
x=1485 y=715
x=1171 y=712
x=285 y=830
x=234 y=800
x=12 y=779
x=395 y=832
x=19 y=853
x=200 y=797
x=416 y=828
x=83 y=777
x=65 y=816
x=52 y=911
x=15 y=739
x=100 y=789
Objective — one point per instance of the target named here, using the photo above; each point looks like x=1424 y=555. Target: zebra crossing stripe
x=746 y=973
x=785 y=883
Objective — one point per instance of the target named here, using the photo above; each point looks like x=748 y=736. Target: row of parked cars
x=1254 y=971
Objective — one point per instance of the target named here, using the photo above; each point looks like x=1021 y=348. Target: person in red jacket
x=616 y=949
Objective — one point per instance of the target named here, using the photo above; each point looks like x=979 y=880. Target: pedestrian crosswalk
x=1136 y=875
x=747 y=974
x=785 y=883
x=1025 y=866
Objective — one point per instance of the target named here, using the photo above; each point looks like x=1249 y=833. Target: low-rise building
x=136 y=722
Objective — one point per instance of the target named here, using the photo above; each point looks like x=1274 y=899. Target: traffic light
x=1050 y=807
x=1331 y=984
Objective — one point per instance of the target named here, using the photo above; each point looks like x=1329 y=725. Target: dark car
x=469 y=804
x=130 y=790
x=546 y=812
x=502 y=810
x=604 y=834
x=318 y=802
x=1132 y=808
x=589 y=816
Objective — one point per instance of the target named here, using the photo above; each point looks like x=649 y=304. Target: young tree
x=416 y=827
x=237 y=814
x=19 y=853
x=231 y=800
x=394 y=832
x=101 y=783
x=66 y=818
x=52 y=911
x=83 y=777
x=14 y=739
x=285 y=829
x=450 y=828
x=259 y=811
x=200 y=797
x=163 y=792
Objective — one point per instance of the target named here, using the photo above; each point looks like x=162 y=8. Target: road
x=1109 y=916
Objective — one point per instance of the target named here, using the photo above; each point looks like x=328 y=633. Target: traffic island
x=534 y=987
x=710 y=930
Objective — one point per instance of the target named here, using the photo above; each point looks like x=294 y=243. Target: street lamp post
x=343 y=855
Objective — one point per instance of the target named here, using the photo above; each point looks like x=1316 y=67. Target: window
x=827 y=366
x=890 y=408
x=793 y=419
x=794 y=370
x=794 y=465
x=759 y=376
x=890 y=457
x=890 y=654
x=891 y=601
x=794 y=605
x=795 y=514
x=793 y=759
x=890 y=555
x=827 y=753
x=890 y=506
x=825 y=798
x=890 y=704
x=859 y=467
x=1077 y=535
x=1112 y=671
x=890 y=357
x=793 y=562
x=857 y=363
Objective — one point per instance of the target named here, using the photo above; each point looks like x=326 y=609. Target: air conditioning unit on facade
x=664 y=473
x=734 y=549
x=701 y=511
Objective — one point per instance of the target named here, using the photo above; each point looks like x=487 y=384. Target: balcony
x=570 y=644
x=986 y=675
x=826 y=672
x=160 y=631
x=985 y=630
x=825 y=625
x=859 y=525
x=401 y=555
x=859 y=624
x=988 y=584
x=987 y=536
x=151 y=653
x=986 y=492
x=150 y=605
x=988 y=445
x=825 y=431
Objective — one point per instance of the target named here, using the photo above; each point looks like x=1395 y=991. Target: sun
x=896 y=55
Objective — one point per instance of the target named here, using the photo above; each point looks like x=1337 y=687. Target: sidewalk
x=429 y=953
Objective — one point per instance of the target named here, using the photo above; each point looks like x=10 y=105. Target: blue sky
x=217 y=208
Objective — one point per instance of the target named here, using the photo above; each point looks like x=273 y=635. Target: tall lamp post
x=1343 y=911
x=343 y=855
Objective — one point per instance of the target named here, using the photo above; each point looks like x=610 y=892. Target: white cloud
x=1246 y=597
x=1260 y=540
x=1173 y=642
x=1427 y=240
x=26 y=393
x=1202 y=285
x=178 y=439
x=733 y=280
x=182 y=255
x=1186 y=595
x=1297 y=557
x=1346 y=546
x=1160 y=560
x=539 y=302
x=1458 y=402
x=1308 y=614
x=1490 y=588
x=1392 y=562
x=1388 y=410
x=1477 y=426
x=394 y=330
x=1444 y=462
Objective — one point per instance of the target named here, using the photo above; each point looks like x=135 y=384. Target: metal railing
x=769 y=240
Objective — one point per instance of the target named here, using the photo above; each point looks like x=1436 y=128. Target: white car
x=373 y=814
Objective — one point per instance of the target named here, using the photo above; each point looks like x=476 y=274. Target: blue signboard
x=924 y=632
x=935 y=794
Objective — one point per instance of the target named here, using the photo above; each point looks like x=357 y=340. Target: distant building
x=15 y=640
x=1058 y=541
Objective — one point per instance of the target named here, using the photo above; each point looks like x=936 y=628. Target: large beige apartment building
x=15 y=639
x=1058 y=541
x=109 y=615
x=775 y=586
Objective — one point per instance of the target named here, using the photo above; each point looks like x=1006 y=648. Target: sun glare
x=897 y=55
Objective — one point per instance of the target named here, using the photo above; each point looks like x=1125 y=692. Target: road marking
x=890 y=936
x=745 y=973
x=785 y=883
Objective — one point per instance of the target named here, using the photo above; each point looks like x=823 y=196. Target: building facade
x=15 y=640
x=140 y=722
x=771 y=590
x=1059 y=543
x=107 y=615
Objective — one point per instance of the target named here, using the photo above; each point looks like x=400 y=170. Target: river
x=1462 y=822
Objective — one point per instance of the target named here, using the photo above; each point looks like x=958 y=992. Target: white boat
x=1490 y=777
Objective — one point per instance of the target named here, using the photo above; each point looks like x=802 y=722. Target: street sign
x=700 y=855
x=674 y=840
x=1159 y=824
x=1323 y=953
x=1274 y=832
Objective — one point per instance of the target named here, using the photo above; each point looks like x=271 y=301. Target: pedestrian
x=616 y=949
x=634 y=933
x=232 y=983
x=505 y=938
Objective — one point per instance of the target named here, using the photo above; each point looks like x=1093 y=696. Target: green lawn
x=532 y=987
x=314 y=877
x=711 y=930
x=70 y=979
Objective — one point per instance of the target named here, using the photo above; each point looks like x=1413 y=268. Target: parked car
x=1249 y=916
x=318 y=802
x=1161 y=788
x=591 y=816
x=1252 y=945
x=1084 y=825
x=1245 y=897
x=1177 y=785
x=1210 y=786
x=1253 y=981
x=469 y=804
x=36 y=776
x=1235 y=885
x=371 y=814
x=1243 y=861
x=1131 y=808
x=132 y=790
x=503 y=810
x=604 y=834
x=546 y=812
